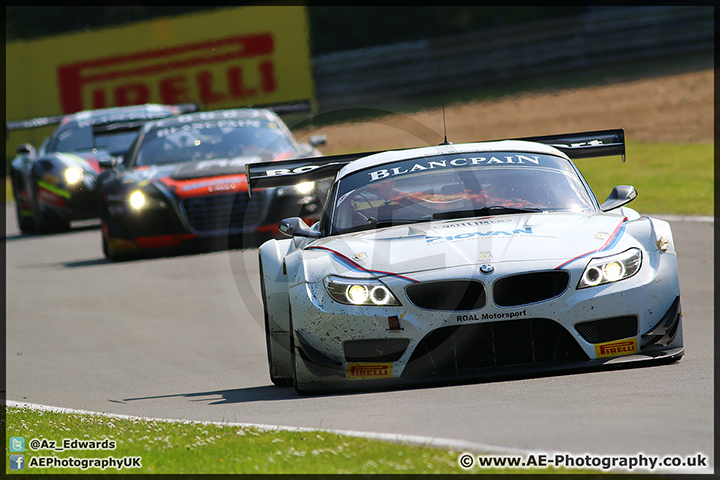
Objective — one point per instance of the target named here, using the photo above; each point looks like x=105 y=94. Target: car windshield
x=456 y=186
x=213 y=139
x=81 y=139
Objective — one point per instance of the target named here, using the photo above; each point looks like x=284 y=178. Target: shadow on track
x=143 y=258
x=28 y=236
x=268 y=393
x=241 y=395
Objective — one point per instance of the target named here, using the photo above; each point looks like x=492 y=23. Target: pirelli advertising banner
x=226 y=58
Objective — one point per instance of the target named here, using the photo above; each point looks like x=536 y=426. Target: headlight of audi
x=600 y=271
x=137 y=200
x=303 y=188
x=73 y=175
x=360 y=292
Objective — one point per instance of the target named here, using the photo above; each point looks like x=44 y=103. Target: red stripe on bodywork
x=608 y=242
x=158 y=241
x=205 y=186
x=271 y=228
x=94 y=164
x=51 y=198
x=355 y=265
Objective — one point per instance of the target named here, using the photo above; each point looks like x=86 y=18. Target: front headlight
x=303 y=188
x=600 y=271
x=137 y=200
x=73 y=175
x=360 y=292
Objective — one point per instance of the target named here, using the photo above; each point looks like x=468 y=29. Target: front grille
x=450 y=295
x=494 y=344
x=223 y=212
x=608 y=329
x=375 y=350
x=529 y=288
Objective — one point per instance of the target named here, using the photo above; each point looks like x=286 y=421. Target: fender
x=274 y=279
x=276 y=304
x=663 y=233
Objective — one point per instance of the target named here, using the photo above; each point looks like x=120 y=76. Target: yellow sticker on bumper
x=616 y=348
x=360 y=371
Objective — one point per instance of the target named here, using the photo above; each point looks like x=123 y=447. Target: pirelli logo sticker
x=616 y=348
x=363 y=371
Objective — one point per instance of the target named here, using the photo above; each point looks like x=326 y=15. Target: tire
x=293 y=361
x=106 y=249
x=109 y=254
x=276 y=380
x=25 y=224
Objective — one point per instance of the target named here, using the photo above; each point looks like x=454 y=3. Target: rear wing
x=303 y=106
x=54 y=120
x=291 y=172
x=32 y=123
x=601 y=143
x=188 y=107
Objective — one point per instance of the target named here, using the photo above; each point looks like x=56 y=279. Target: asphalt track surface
x=181 y=337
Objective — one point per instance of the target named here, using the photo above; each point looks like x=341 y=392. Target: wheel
x=24 y=223
x=106 y=249
x=280 y=381
x=293 y=361
x=108 y=252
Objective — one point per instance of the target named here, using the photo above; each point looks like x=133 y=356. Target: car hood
x=551 y=239
x=192 y=170
x=190 y=179
x=89 y=162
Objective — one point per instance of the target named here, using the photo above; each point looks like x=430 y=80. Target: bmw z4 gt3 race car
x=183 y=183
x=57 y=184
x=463 y=261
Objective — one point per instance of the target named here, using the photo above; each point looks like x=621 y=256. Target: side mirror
x=107 y=162
x=25 y=149
x=620 y=195
x=317 y=140
x=296 y=227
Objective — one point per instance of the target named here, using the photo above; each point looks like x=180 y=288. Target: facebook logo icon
x=17 y=462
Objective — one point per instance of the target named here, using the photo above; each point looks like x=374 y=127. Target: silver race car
x=468 y=261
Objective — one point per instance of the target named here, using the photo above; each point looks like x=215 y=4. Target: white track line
x=460 y=446
x=683 y=218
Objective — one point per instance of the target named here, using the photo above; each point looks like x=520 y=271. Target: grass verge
x=195 y=448
x=670 y=178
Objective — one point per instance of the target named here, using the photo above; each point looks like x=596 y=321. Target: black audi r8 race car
x=183 y=183
x=56 y=184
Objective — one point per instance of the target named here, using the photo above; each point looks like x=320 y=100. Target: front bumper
x=69 y=202
x=205 y=220
x=637 y=319
x=337 y=381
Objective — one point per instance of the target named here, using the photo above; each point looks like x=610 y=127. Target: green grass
x=194 y=448
x=670 y=178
